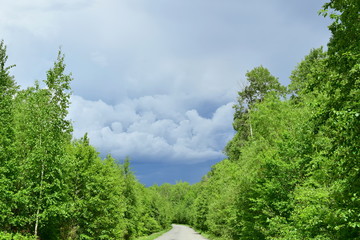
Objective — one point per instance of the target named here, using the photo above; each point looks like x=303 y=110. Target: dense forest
x=292 y=169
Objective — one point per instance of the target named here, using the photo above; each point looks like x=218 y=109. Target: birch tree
x=42 y=132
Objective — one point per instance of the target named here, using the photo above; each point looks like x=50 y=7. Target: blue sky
x=155 y=80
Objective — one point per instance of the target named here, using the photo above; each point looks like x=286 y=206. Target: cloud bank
x=153 y=129
x=155 y=79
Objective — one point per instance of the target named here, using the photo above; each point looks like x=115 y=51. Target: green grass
x=154 y=235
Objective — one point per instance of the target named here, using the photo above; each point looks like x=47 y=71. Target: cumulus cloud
x=153 y=128
x=155 y=79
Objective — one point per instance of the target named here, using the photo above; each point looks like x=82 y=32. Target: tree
x=54 y=188
x=306 y=74
x=158 y=208
x=261 y=82
x=8 y=89
x=42 y=134
x=337 y=121
x=222 y=190
x=96 y=203
x=135 y=214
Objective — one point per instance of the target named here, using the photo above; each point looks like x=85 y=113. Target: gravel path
x=181 y=232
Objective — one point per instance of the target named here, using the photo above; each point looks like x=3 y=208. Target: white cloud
x=142 y=129
x=153 y=79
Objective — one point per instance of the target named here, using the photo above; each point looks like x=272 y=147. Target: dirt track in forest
x=181 y=232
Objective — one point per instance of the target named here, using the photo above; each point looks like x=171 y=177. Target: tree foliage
x=55 y=187
x=8 y=89
x=292 y=171
x=293 y=165
x=260 y=83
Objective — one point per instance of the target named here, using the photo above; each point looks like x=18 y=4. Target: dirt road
x=181 y=232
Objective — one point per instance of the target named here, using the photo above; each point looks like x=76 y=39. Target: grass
x=154 y=235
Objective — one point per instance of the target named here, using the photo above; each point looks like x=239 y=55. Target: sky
x=156 y=80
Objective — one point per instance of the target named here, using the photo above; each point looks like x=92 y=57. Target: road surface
x=181 y=232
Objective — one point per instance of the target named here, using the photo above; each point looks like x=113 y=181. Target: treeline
x=53 y=187
x=293 y=167
x=292 y=172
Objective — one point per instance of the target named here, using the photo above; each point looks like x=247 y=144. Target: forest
x=292 y=169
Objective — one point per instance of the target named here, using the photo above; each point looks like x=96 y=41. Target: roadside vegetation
x=55 y=187
x=293 y=166
x=154 y=235
x=292 y=169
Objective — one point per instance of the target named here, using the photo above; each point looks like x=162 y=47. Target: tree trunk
x=40 y=196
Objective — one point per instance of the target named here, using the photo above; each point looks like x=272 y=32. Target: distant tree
x=159 y=206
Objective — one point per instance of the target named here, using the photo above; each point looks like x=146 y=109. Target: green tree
x=307 y=73
x=96 y=207
x=261 y=82
x=222 y=189
x=160 y=204
x=135 y=207
x=42 y=134
x=337 y=122
x=8 y=89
